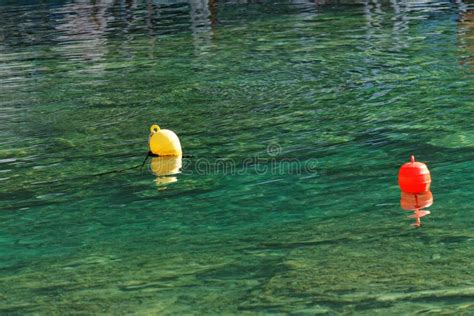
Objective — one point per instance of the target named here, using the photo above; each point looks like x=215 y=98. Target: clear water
x=350 y=89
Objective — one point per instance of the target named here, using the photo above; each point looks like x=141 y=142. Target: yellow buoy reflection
x=165 y=169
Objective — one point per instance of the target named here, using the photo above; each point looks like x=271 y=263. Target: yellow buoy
x=163 y=142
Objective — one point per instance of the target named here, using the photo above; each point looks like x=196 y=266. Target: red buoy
x=414 y=177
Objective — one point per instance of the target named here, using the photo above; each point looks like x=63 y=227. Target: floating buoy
x=416 y=202
x=163 y=142
x=414 y=177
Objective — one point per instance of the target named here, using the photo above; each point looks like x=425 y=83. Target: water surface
x=350 y=89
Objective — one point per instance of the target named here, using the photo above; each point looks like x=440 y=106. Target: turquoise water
x=344 y=93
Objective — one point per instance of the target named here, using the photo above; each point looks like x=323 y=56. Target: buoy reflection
x=466 y=32
x=416 y=202
x=165 y=169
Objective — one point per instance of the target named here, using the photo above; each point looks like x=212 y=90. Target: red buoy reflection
x=416 y=202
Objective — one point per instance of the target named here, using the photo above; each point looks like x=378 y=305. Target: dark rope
x=146 y=158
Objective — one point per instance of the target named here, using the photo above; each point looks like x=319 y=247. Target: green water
x=349 y=90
